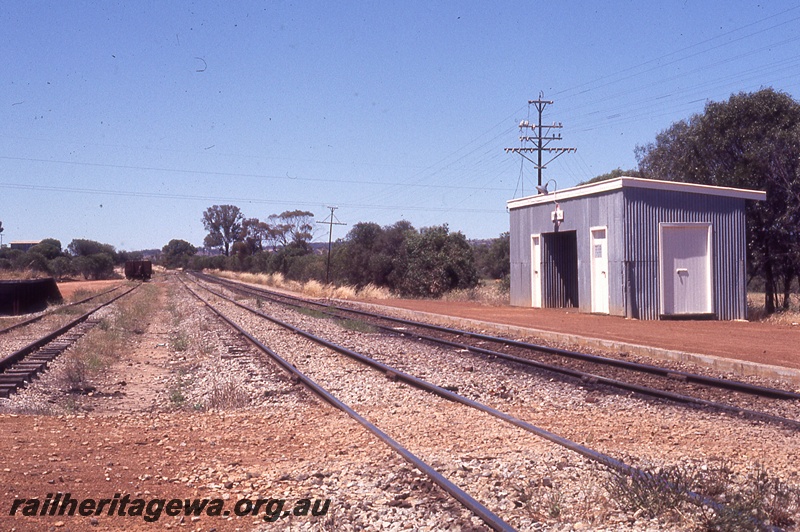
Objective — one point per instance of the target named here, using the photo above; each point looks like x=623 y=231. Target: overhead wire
x=602 y=115
x=216 y=198
x=694 y=87
x=448 y=160
x=216 y=173
x=676 y=52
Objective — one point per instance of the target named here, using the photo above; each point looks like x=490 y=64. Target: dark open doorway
x=560 y=269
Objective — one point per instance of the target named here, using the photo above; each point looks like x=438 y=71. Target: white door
x=536 y=277
x=685 y=268
x=599 y=254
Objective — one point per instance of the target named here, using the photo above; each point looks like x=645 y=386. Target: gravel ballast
x=202 y=414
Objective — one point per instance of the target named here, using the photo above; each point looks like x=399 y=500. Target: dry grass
x=81 y=293
x=343 y=292
x=135 y=310
x=743 y=502
x=94 y=354
x=227 y=394
x=488 y=292
x=755 y=310
x=76 y=373
x=23 y=275
x=312 y=288
x=372 y=291
x=91 y=356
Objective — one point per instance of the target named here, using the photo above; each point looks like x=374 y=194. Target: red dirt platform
x=762 y=343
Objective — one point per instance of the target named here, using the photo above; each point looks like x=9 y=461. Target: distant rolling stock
x=138 y=269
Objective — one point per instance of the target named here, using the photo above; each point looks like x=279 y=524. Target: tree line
x=425 y=262
x=86 y=258
x=419 y=263
x=230 y=231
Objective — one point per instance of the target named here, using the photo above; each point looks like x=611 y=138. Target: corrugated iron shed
x=632 y=247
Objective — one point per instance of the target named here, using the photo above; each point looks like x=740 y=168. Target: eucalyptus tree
x=224 y=226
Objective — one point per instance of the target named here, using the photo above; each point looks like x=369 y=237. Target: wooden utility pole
x=331 y=222
x=542 y=136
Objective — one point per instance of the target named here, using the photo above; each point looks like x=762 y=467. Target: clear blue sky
x=123 y=121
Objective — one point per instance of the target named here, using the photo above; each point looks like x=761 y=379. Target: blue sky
x=123 y=121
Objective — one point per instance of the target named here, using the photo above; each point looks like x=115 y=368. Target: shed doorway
x=685 y=269
x=536 y=275
x=599 y=263
x=559 y=269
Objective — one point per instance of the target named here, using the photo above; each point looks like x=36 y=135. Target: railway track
x=23 y=365
x=766 y=404
x=309 y=373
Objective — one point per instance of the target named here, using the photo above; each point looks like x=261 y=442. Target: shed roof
x=636 y=182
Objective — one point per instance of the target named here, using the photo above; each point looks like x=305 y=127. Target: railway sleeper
x=25 y=373
x=26 y=364
x=7 y=389
x=59 y=347
x=42 y=360
x=51 y=350
x=11 y=379
x=23 y=370
x=233 y=356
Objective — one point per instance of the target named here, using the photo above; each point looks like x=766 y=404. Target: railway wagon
x=138 y=269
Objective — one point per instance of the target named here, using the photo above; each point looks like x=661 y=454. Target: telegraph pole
x=331 y=222
x=542 y=136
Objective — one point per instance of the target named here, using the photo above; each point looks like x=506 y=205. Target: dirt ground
x=68 y=289
x=131 y=445
x=763 y=343
x=124 y=440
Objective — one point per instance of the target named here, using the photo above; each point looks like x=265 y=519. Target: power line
x=448 y=160
x=687 y=48
x=220 y=199
x=223 y=174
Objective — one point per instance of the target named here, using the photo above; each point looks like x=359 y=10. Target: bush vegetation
x=85 y=258
x=371 y=260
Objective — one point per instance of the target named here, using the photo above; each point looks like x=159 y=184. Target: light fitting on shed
x=542 y=189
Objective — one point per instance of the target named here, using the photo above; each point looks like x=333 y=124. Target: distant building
x=633 y=247
x=23 y=245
